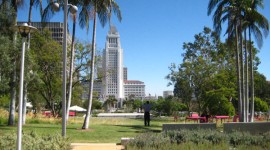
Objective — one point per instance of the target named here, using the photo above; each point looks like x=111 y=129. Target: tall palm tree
x=257 y=24
x=245 y=16
x=230 y=11
x=102 y=8
x=35 y=3
x=73 y=16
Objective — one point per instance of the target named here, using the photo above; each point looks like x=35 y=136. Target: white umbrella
x=29 y=105
x=77 y=108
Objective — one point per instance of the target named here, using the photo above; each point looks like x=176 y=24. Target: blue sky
x=152 y=33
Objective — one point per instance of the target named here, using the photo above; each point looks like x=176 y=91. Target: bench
x=196 y=117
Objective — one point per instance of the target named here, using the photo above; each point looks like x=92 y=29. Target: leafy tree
x=260 y=105
x=218 y=102
x=11 y=8
x=137 y=104
x=200 y=64
x=47 y=58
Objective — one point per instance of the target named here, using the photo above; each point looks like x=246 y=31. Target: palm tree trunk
x=13 y=81
x=238 y=77
x=71 y=67
x=242 y=73
x=11 y=119
x=87 y=117
x=251 y=78
x=246 y=78
x=24 y=102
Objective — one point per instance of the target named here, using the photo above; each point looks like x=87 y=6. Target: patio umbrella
x=77 y=109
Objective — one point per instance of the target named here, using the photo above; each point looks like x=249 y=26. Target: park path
x=96 y=146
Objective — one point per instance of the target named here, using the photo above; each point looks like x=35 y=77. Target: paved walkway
x=96 y=146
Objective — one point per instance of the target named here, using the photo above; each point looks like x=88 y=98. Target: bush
x=150 y=140
x=196 y=136
x=199 y=139
x=31 y=141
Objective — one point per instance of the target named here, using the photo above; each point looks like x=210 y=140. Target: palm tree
x=14 y=4
x=244 y=16
x=102 y=8
x=230 y=11
x=257 y=24
x=71 y=64
x=35 y=3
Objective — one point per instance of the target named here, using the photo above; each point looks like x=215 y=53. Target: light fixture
x=73 y=9
x=24 y=30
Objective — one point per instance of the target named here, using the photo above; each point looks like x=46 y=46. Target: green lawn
x=101 y=130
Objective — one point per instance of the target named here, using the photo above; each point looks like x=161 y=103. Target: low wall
x=251 y=127
x=189 y=126
x=121 y=115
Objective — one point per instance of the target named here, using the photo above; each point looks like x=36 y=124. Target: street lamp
x=73 y=9
x=24 y=30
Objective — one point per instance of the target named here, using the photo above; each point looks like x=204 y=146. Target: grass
x=101 y=130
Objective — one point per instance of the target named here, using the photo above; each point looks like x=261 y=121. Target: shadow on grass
x=139 y=128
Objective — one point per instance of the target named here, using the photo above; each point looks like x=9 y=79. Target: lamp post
x=24 y=29
x=73 y=9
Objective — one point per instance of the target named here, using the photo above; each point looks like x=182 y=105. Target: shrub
x=196 y=136
x=31 y=141
x=150 y=140
x=199 y=139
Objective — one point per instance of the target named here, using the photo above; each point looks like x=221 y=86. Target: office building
x=56 y=28
x=115 y=76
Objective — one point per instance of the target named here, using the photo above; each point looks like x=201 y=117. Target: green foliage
x=4 y=101
x=46 y=76
x=96 y=104
x=32 y=141
x=261 y=86
x=218 y=102
x=260 y=105
x=151 y=140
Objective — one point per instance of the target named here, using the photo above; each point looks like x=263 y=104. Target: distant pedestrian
x=147 y=108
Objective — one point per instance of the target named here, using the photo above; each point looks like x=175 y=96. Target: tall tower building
x=113 y=80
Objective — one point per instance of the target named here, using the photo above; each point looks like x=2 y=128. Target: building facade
x=135 y=88
x=113 y=66
x=115 y=76
x=56 y=28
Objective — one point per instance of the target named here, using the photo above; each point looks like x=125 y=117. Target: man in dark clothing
x=147 y=108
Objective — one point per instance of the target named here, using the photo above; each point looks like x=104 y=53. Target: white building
x=134 y=87
x=115 y=76
x=113 y=65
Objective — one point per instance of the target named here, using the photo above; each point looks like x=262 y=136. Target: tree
x=35 y=3
x=103 y=10
x=241 y=15
x=46 y=54
x=257 y=24
x=199 y=66
x=231 y=11
x=13 y=6
x=5 y=69
x=71 y=65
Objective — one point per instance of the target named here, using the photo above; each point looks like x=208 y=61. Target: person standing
x=147 y=108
